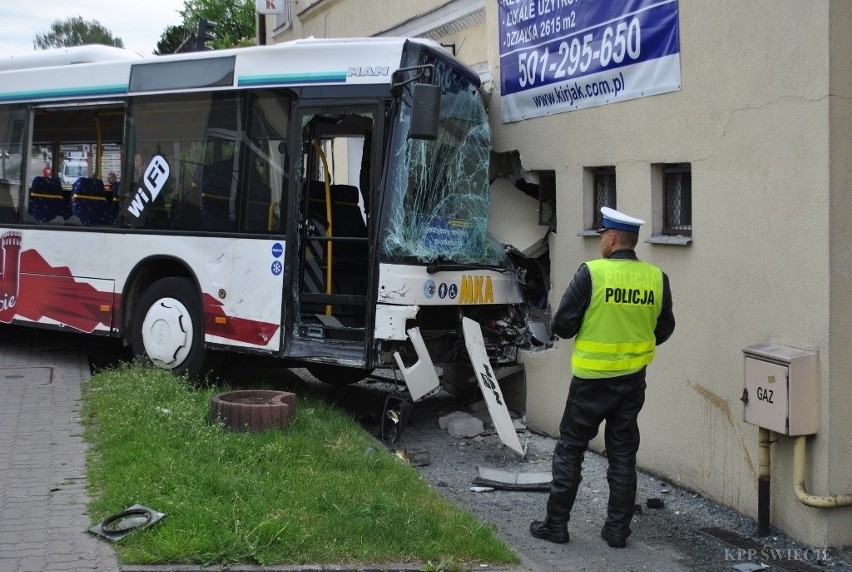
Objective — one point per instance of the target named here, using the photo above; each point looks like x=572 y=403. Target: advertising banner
x=563 y=55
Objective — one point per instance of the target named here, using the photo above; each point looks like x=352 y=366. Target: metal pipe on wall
x=799 y=472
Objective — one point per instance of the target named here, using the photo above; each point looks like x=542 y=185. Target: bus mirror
x=425 y=112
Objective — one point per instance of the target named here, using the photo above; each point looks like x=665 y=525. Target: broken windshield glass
x=437 y=207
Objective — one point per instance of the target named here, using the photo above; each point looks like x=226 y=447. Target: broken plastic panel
x=438 y=209
x=119 y=525
x=490 y=387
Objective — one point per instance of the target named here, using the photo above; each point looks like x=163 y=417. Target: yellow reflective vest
x=617 y=334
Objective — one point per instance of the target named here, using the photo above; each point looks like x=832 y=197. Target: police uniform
x=619 y=308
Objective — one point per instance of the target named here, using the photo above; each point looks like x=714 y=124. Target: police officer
x=620 y=309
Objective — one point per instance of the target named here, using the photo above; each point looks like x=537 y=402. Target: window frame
x=592 y=201
x=663 y=230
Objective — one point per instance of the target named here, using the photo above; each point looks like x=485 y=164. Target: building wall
x=758 y=122
x=763 y=118
x=836 y=444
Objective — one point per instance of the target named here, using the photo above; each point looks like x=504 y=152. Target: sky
x=139 y=23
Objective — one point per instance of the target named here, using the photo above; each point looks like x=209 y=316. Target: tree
x=235 y=23
x=172 y=38
x=75 y=32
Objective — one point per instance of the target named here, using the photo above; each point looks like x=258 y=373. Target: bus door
x=333 y=302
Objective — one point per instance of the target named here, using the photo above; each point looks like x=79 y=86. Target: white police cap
x=619 y=221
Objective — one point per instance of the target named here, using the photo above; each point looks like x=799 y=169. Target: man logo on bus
x=153 y=182
x=10 y=242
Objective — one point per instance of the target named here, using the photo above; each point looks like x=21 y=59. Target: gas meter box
x=780 y=388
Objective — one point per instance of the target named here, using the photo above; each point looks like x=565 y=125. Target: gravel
x=666 y=538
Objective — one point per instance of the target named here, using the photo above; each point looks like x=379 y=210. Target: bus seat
x=216 y=181
x=187 y=216
x=92 y=203
x=47 y=200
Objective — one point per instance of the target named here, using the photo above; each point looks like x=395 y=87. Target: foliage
x=172 y=38
x=76 y=32
x=320 y=491
x=234 y=20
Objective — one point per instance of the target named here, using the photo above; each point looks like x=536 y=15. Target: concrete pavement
x=43 y=500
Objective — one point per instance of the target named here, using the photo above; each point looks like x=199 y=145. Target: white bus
x=322 y=201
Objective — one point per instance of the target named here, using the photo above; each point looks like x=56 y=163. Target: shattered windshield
x=437 y=203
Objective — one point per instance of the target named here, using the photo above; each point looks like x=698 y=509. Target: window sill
x=673 y=240
x=588 y=233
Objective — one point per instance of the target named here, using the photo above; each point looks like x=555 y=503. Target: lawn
x=320 y=491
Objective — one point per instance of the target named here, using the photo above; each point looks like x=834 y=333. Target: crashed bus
x=325 y=202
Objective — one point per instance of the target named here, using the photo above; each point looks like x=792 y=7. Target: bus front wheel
x=168 y=327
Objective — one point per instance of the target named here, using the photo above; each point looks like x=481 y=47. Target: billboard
x=563 y=55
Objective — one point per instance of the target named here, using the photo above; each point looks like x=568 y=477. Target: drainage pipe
x=763 y=480
x=799 y=470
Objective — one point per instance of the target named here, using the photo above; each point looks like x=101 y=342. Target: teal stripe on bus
x=63 y=93
x=292 y=78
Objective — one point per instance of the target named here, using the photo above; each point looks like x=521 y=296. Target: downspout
x=799 y=471
x=763 y=481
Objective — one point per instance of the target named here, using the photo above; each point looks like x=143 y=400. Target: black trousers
x=590 y=402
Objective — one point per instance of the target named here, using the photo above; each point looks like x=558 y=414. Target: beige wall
x=837 y=444
x=763 y=118
x=753 y=118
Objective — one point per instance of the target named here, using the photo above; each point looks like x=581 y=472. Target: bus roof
x=87 y=72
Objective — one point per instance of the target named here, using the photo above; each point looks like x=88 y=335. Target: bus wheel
x=337 y=374
x=168 y=327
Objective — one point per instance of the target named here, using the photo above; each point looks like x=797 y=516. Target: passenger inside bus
x=112 y=184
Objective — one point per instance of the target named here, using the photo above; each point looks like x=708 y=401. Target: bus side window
x=216 y=204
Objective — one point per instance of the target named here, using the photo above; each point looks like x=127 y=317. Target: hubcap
x=167 y=333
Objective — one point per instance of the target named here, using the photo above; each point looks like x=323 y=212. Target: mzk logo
x=10 y=243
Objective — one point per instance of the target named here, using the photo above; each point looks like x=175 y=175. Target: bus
x=324 y=202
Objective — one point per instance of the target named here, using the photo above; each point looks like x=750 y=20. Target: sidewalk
x=43 y=500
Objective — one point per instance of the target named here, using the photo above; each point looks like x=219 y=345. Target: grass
x=320 y=491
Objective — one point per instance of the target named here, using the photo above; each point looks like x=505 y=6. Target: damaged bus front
x=449 y=295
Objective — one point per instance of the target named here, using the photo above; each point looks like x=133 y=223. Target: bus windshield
x=437 y=198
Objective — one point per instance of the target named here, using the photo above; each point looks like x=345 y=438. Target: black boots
x=612 y=540
x=554 y=531
x=558 y=533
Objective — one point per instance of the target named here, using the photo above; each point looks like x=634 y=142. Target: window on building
x=671 y=193
x=677 y=199
x=600 y=192
x=547 y=199
x=282 y=21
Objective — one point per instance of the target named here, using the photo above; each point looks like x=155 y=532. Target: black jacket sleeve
x=569 y=317
x=666 y=319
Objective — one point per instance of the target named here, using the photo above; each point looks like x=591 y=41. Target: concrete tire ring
x=253 y=410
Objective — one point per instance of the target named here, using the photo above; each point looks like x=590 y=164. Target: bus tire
x=337 y=374
x=168 y=327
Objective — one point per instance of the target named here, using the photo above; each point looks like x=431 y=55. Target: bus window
x=438 y=209
x=12 y=121
x=195 y=139
x=211 y=156
x=71 y=151
x=268 y=176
